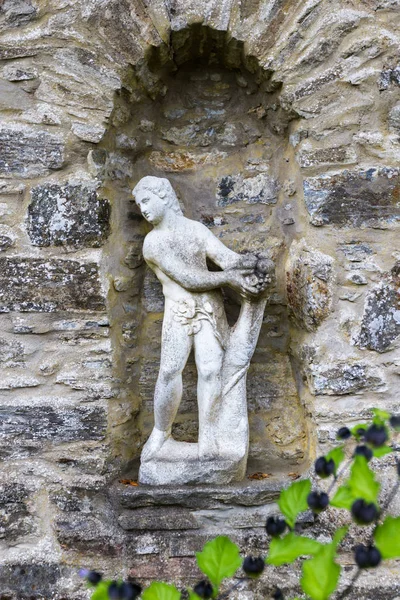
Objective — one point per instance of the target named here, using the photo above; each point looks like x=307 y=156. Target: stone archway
x=208 y=118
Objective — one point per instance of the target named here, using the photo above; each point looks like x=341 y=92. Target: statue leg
x=209 y=357
x=175 y=349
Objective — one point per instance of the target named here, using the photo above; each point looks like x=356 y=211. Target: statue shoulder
x=150 y=246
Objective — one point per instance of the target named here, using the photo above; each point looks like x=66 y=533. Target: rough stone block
x=155 y=519
x=153 y=299
x=15 y=520
x=309 y=285
x=326 y=156
x=354 y=198
x=11 y=353
x=33 y=284
x=29 y=152
x=28 y=581
x=7 y=238
x=25 y=430
x=15 y=13
x=260 y=189
x=380 y=324
x=342 y=378
x=88 y=534
x=71 y=214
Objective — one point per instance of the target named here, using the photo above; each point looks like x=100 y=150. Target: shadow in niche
x=206 y=116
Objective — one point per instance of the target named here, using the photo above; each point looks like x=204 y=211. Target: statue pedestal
x=179 y=462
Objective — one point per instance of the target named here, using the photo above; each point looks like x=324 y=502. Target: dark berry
x=130 y=591
x=375 y=556
x=395 y=422
x=277 y=595
x=363 y=451
x=376 y=435
x=94 y=577
x=367 y=556
x=203 y=589
x=317 y=501
x=275 y=526
x=324 y=467
x=343 y=433
x=398 y=469
x=114 y=591
x=364 y=513
x=361 y=556
x=253 y=566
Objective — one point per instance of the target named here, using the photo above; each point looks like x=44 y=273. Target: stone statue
x=177 y=250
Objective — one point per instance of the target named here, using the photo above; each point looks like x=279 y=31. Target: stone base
x=178 y=463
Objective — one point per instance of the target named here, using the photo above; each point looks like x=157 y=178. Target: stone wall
x=278 y=123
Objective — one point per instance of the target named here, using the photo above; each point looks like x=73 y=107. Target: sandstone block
x=70 y=214
x=34 y=284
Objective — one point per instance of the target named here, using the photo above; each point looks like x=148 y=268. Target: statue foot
x=154 y=444
x=208 y=450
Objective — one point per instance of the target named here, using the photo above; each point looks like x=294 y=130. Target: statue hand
x=247 y=261
x=243 y=281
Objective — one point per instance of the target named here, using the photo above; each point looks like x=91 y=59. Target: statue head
x=155 y=196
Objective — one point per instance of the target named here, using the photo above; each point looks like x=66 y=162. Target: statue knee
x=209 y=371
x=168 y=374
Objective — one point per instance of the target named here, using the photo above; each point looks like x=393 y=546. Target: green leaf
x=293 y=500
x=337 y=455
x=343 y=498
x=380 y=416
x=382 y=451
x=321 y=574
x=387 y=537
x=289 y=548
x=362 y=482
x=339 y=535
x=219 y=559
x=161 y=591
x=101 y=591
x=363 y=426
x=193 y=596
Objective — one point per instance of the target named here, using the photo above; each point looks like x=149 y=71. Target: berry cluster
x=367 y=556
x=324 y=468
x=124 y=590
x=204 y=589
x=363 y=451
x=364 y=513
x=317 y=501
x=253 y=567
x=275 y=526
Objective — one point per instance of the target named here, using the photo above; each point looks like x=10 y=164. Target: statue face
x=152 y=207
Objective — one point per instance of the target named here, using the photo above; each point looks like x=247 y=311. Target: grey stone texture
x=28 y=152
x=55 y=284
x=99 y=94
x=67 y=215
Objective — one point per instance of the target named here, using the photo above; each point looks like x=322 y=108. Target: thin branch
x=233 y=588
x=349 y=587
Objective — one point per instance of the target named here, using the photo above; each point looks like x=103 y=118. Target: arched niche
x=206 y=116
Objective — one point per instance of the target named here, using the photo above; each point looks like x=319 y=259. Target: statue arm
x=226 y=258
x=195 y=279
